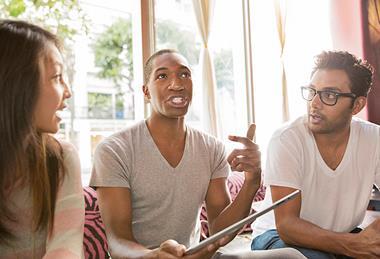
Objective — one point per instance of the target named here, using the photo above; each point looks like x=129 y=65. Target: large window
x=104 y=87
x=260 y=57
x=100 y=42
x=227 y=46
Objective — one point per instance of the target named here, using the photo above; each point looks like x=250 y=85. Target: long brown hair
x=34 y=157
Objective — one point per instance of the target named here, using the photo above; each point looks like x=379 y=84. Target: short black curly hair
x=360 y=72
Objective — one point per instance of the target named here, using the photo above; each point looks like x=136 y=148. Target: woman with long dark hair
x=41 y=200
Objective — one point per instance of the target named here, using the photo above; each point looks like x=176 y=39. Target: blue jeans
x=271 y=240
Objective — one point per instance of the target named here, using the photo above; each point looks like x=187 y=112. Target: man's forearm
x=305 y=234
x=238 y=209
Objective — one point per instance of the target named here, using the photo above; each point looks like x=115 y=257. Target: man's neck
x=169 y=136
x=332 y=140
x=332 y=147
x=168 y=129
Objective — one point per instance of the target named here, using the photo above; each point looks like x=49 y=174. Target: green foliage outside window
x=63 y=17
x=113 y=53
x=170 y=35
x=224 y=73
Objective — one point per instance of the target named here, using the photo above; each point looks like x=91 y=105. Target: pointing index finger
x=251 y=131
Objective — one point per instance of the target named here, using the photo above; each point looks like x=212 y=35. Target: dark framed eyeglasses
x=328 y=97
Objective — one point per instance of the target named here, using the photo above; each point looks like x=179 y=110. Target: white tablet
x=238 y=225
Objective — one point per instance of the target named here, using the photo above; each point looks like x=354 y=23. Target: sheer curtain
x=286 y=35
x=280 y=13
x=204 y=12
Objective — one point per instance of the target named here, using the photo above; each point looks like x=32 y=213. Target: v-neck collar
x=343 y=162
x=158 y=152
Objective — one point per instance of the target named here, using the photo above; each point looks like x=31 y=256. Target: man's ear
x=359 y=104
x=146 y=93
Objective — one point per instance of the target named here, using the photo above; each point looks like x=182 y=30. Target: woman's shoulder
x=69 y=151
x=71 y=164
x=67 y=147
x=70 y=155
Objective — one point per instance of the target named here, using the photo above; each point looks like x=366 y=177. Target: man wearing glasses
x=334 y=159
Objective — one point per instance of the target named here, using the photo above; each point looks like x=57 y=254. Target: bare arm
x=220 y=211
x=292 y=230
x=116 y=211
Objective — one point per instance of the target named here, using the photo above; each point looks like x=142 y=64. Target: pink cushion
x=234 y=182
x=94 y=241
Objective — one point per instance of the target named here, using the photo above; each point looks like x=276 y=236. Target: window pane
x=104 y=91
x=227 y=46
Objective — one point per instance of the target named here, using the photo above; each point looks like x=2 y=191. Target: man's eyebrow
x=332 y=88
x=160 y=69
x=185 y=67
x=327 y=88
x=165 y=68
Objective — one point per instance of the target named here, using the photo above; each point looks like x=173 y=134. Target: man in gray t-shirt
x=152 y=178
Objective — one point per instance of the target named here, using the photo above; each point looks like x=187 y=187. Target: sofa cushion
x=94 y=241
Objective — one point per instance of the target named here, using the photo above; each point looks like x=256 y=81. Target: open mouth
x=178 y=101
x=315 y=118
x=61 y=112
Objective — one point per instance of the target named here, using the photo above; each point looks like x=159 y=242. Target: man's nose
x=316 y=101
x=176 y=84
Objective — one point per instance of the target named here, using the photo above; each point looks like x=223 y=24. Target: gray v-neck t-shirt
x=166 y=201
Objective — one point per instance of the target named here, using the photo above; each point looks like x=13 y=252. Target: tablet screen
x=238 y=225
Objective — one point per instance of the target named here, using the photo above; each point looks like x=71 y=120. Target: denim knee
x=268 y=240
x=271 y=240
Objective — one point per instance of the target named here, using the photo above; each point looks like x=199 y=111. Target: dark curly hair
x=360 y=72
